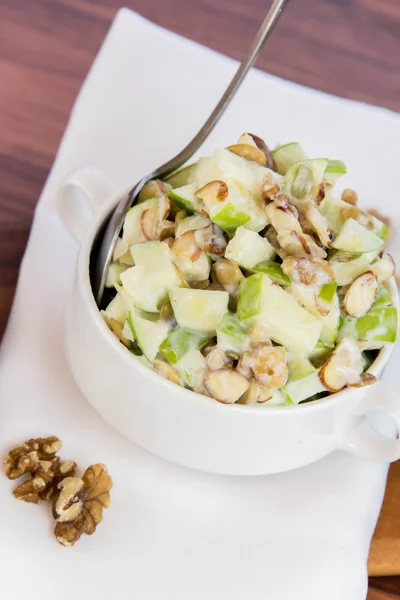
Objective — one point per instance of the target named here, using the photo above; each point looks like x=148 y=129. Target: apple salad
x=246 y=278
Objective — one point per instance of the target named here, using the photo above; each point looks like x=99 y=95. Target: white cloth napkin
x=171 y=532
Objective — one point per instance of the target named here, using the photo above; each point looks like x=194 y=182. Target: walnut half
x=79 y=507
x=44 y=481
x=25 y=458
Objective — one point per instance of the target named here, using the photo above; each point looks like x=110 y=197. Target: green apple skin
x=229 y=218
x=199 y=310
x=273 y=270
x=249 y=297
x=181 y=177
x=179 y=342
x=383 y=297
x=379 y=325
x=288 y=323
x=328 y=291
x=232 y=334
x=287 y=155
x=354 y=237
x=184 y=198
x=334 y=170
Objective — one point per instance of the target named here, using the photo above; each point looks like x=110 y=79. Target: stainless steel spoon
x=114 y=226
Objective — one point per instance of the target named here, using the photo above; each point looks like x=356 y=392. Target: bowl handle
x=361 y=438
x=79 y=196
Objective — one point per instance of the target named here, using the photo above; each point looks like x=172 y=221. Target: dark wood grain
x=346 y=47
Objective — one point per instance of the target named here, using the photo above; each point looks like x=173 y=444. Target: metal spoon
x=114 y=226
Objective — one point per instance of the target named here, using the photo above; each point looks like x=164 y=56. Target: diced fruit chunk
x=346 y=271
x=191 y=223
x=200 y=310
x=232 y=334
x=149 y=334
x=179 y=342
x=354 y=237
x=303 y=380
x=384 y=267
x=192 y=367
x=334 y=170
x=117 y=309
x=133 y=231
x=287 y=155
x=184 y=197
x=247 y=248
x=273 y=270
x=302 y=180
x=287 y=322
x=327 y=291
x=147 y=283
x=181 y=177
x=379 y=325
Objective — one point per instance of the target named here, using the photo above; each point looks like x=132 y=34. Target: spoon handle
x=115 y=223
x=246 y=64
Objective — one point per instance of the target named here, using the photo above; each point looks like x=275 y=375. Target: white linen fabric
x=172 y=533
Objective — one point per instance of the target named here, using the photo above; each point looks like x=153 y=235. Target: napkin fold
x=171 y=532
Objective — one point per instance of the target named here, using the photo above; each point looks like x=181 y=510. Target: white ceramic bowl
x=185 y=427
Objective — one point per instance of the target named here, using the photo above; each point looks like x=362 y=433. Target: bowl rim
x=131 y=360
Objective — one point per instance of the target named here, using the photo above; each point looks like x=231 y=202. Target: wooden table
x=346 y=47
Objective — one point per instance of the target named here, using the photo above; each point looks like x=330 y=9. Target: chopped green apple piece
x=247 y=175
x=229 y=218
x=331 y=208
x=303 y=380
x=345 y=272
x=320 y=352
x=199 y=310
x=328 y=291
x=307 y=297
x=287 y=155
x=383 y=297
x=184 y=197
x=117 y=309
x=128 y=331
x=249 y=303
x=192 y=270
x=334 y=170
x=247 y=248
x=354 y=237
x=113 y=274
x=147 y=283
x=260 y=299
x=181 y=177
x=133 y=231
x=191 y=223
x=379 y=325
x=299 y=367
x=298 y=390
x=192 y=367
x=330 y=324
x=232 y=334
x=179 y=342
x=384 y=267
x=273 y=270
x=302 y=180
x=148 y=334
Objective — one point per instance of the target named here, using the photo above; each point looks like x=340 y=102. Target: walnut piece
x=82 y=502
x=25 y=458
x=44 y=481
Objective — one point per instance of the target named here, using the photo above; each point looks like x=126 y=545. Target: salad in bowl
x=245 y=277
